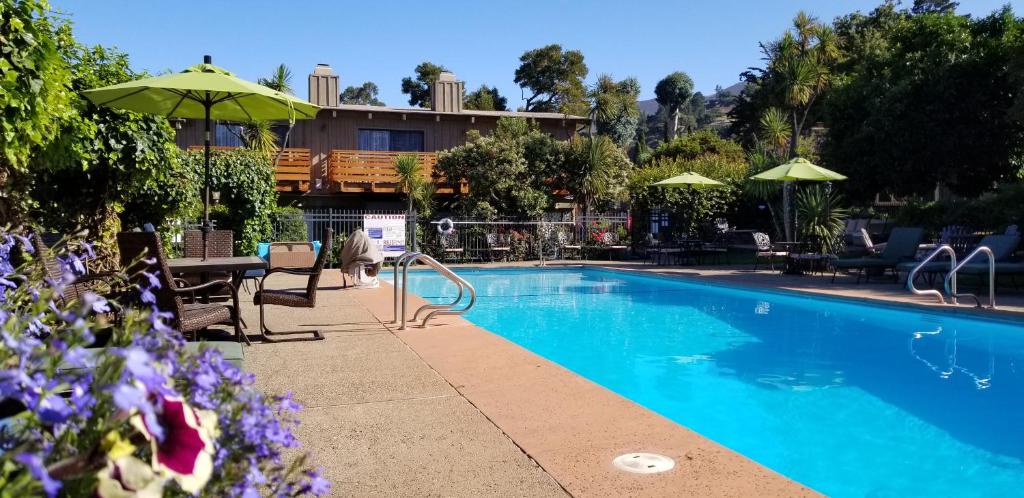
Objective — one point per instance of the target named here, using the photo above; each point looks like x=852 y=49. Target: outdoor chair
x=612 y=243
x=74 y=290
x=1002 y=247
x=766 y=250
x=901 y=246
x=869 y=245
x=188 y=318
x=498 y=246
x=220 y=244
x=305 y=298
x=451 y=247
x=291 y=255
x=565 y=244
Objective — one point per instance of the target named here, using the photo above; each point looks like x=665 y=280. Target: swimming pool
x=849 y=399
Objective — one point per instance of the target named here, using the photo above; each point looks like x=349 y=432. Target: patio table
x=236 y=265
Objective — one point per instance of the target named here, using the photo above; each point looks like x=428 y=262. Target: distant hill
x=650 y=107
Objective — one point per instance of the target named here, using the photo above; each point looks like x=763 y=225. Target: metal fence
x=553 y=236
x=344 y=221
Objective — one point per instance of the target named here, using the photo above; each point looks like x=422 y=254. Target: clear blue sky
x=481 y=41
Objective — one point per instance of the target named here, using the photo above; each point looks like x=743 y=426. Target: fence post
x=412 y=222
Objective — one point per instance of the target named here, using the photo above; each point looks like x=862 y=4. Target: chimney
x=446 y=93
x=323 y=86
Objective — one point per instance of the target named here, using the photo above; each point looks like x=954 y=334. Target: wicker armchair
x=74 y=290
x=187 y=318
x=294 y=299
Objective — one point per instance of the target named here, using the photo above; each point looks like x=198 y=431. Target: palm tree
x=800 y=65
x=280 y=79
x=775 y=131
x=594 y=165
x=410 y=177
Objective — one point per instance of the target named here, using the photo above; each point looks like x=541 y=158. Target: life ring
x=446 y=226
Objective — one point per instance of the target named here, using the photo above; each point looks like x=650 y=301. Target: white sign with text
x=387 y=231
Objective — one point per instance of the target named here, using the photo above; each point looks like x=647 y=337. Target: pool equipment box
x=387 y=231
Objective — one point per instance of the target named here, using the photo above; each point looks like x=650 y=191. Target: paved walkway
x=377 y=418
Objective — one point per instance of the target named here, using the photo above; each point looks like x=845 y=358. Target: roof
x=465 y=112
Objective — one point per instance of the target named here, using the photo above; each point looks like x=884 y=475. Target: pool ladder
x=402 y=287
x=949 y=284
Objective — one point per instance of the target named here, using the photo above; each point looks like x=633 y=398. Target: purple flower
x=70 y=263
x=147 y=296
x=317 y=484
x=154 y=282
x=36 y=467
x=95 y=302
x=53 y=410
x=129 y=397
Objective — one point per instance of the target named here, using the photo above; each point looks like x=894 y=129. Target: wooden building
x=345 y=157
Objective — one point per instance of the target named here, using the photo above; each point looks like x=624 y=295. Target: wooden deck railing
x=374 y=171
x=292 y=171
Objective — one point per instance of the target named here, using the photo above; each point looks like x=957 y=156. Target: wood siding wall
x=339 y=129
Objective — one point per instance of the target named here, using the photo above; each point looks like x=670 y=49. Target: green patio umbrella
x=207 y=92
x=798 y=169
x=691 y=180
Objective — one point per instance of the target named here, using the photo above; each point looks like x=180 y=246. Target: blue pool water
x=849 y=399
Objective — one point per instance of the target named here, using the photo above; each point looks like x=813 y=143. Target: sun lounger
x=901 y=246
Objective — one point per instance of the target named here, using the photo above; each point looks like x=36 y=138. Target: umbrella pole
x=206 y=180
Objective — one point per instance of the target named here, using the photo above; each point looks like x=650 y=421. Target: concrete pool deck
x=455 y=410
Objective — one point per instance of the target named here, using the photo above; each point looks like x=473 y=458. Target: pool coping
x=571 y=426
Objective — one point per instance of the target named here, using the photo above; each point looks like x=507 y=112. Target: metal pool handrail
x=991 y=278
x=438 y=309
x=932 y=292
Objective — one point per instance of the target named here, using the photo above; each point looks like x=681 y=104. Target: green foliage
x=595 y=170
x=34 y=94
x=418 y=88
x=102 y=160
x=365 y=94
x=246 y=182
x=672 y=93
x=485 y=99
x=991 y=212
x=289 y=225
x=702 y=143
x=704 y=153
x=554 y=78
x=280 y=79
x=417 y=187
x=820 y=218
x=926 y=99
x=615 y=108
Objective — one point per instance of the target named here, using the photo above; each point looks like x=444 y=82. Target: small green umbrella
x=207 y=92
x=798 y=169
x=691 y=180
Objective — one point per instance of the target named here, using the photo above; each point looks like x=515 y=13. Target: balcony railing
x=374 y=171
x=292 y=171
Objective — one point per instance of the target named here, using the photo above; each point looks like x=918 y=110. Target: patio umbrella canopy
x=207 y=92
x=690 y=179
x=798 y=169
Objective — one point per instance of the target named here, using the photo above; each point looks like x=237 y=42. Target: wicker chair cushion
x=198 y=316
x=294 y=299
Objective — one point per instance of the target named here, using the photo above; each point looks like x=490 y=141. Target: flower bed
x=141 y=416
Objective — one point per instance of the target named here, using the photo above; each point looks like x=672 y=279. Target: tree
x=33 y=94
x=365 y=94
x=672 y=92
x=485 y=99
x=410 y=177
x=925 y=100
x=280 y=79
x=554 y=79
x=418 y=88
x=597 y=170
x=103 y=159
x=934 y=6
x=614 y=108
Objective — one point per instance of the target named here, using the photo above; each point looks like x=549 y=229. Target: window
x=391 y=140
x=227 y=135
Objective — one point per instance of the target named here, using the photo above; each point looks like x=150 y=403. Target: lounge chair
x=766 y=250
x=869 y=245
x=565 y=244
x=902 y=246
x=1002 y=247
x=188 y=318
x=305 y=298
x=451 y=247
x=612 y=243
x=498 y=246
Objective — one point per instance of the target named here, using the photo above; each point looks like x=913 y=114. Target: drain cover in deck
x=643 y=463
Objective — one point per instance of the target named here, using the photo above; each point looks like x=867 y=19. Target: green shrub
x=990 y=212
x=288 y=225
